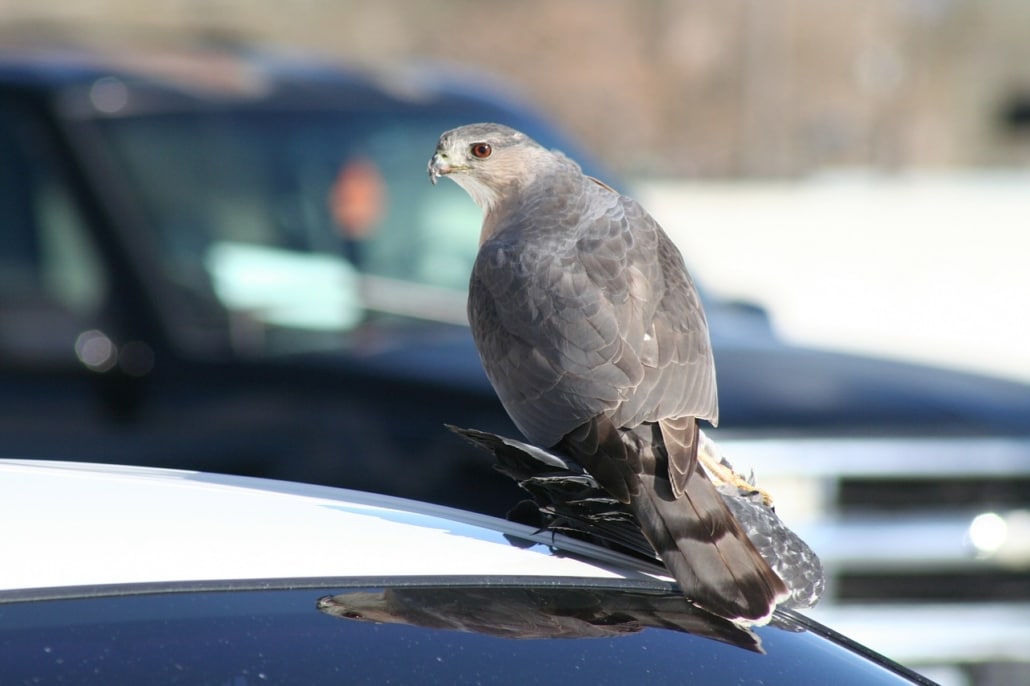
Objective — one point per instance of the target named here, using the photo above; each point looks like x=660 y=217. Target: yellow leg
x=721 y=472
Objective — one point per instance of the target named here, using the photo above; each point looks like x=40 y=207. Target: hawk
x=595 y=340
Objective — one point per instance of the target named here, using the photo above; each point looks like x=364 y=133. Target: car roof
x=188 y=66
x=88 y=524
x=237 y=74
x=89 y=532
x=199 y=75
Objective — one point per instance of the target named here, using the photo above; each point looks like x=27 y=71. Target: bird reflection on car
x=535 y=613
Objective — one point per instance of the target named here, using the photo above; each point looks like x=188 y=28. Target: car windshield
x=537 y=634
x=279 y=214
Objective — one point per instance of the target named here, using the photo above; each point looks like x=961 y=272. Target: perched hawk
x=594 y=339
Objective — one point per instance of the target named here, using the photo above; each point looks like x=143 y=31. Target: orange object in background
x=357 y=198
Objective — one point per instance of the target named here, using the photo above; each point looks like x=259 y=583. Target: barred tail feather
x=568 y=500
x=705 y=549
x=694 y=533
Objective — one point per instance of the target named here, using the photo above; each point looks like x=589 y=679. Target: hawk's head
x=486 y=160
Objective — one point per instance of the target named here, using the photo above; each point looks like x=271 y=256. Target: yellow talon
x=721 y=472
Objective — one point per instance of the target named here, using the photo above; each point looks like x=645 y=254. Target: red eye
x=481 y=150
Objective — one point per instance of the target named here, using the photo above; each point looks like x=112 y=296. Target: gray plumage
x=595 y=340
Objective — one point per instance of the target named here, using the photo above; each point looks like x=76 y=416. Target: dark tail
x=705 y=549
x=695 y=534
x=570 y=501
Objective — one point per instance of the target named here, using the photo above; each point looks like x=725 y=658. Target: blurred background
x=858 y=168
x=226 y=256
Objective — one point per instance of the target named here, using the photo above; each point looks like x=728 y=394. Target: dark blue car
x=192 y=578
x=227 y=260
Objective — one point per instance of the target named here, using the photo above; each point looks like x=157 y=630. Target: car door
x=65 y=384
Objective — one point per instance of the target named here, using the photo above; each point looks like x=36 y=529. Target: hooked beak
x=439 y=166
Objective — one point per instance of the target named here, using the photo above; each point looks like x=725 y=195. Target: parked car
x=227 y=260
x=222 y=259
x=133 y=575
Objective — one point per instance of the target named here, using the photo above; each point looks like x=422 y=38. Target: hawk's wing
x=580 y=307
x=571 y=501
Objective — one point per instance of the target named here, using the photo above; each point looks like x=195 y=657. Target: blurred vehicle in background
x=232 y=261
